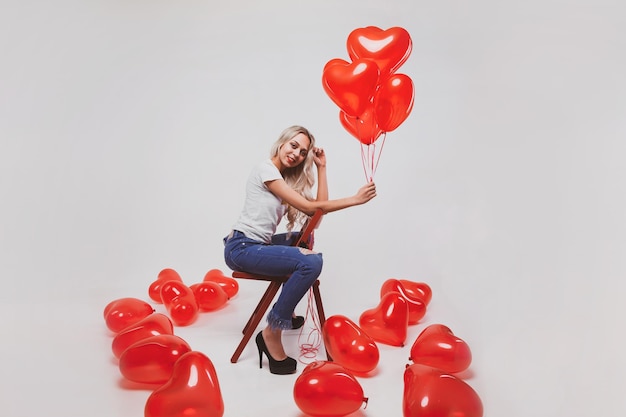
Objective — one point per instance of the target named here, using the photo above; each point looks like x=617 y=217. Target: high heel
x=297 y=322
x=284 y=367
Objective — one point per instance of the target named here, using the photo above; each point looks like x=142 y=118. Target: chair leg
x=318 y=302
x=257 y=308
x=255 y=319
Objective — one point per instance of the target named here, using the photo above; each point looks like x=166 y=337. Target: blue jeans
x=277 y=259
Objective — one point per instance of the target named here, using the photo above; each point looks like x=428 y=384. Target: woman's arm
x=283 y=191
x=319 y=157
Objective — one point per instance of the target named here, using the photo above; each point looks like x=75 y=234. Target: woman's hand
x=319 y=157
x=366 y=193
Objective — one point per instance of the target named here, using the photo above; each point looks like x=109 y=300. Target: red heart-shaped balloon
x=335 y=61
x=172 y=289
x=192 y=390
x=123 y=312
x=152 y=360
x=183 y=309
x=393 y=101
x=388 y=322
x=388 y=48
x=167 y=274
x=228 y=284
x=364 y=127
x=327 y=389
x=348 y=345
x=417 y=307
x=438 y=347
x=351 y=85
x=153 y=325
x=209 y=295
x=430 y=392
x=418 y=289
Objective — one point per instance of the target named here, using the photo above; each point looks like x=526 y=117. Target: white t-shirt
x=262 y=210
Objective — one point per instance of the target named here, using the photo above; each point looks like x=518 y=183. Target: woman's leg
x=288 y=239
x=274 y=343
x=301 y=265
x=307 y=267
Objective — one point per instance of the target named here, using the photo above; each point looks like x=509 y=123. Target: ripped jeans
x=277 y=259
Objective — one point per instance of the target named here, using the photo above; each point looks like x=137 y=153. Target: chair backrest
x=305 y=238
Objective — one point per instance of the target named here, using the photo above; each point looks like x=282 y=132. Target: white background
x=128 y=129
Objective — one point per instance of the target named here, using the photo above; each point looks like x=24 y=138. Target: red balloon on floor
x=167 y=274
x=192 y=390
x=228 y=284
x=430 y=392
x=183 y=309
x=438 y=347
x=327 y=389
x=153 y=325
x=172 y=289
x=152 y=360
x=123 y=312
x=388 y=322
x=417 y=307
x=209 y=295
x=348 y=345
x=418 y=289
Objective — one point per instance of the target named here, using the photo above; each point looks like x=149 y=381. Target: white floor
x=59 y=361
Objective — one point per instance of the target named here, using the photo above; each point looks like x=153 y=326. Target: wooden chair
x=305 y=239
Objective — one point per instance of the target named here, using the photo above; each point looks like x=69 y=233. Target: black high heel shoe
x=284 y=367
x=297 y=322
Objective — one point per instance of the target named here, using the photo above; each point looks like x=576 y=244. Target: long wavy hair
x=300 y=177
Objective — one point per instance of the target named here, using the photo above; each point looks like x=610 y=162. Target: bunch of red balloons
x=402 y=303
x=183 y=303
x=432 y=386
x=372 y=97
x=149 y=352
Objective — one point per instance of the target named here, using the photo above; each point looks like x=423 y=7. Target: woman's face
x=293 y=152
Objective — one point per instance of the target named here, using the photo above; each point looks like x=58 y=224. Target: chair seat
x=247 y=275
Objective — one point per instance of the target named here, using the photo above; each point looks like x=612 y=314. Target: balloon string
x=363 y=161
x=371 y=159
x=310 y=347
x=380 y=151
x=363 y=154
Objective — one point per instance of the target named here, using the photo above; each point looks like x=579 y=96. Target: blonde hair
x=300 y=177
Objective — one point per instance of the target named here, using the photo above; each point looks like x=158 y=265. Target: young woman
x=278 y=187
